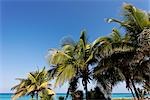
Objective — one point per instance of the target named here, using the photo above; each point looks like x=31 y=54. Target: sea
x=7 y=96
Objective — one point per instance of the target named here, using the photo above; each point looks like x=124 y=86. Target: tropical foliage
x=117 y=57
x=72 y=62
x=109 y=60
x=36 y=83
x=133 y=63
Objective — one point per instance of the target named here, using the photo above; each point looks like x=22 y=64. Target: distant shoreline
x=114 y=95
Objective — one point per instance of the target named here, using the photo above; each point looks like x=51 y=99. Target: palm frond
x=31 y=77
x=65 y=73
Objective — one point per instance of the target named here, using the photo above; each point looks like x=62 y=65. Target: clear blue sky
x=29 y=28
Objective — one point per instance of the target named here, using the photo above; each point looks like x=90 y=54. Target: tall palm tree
x=72 y=61
x=113 y=54
x=135 y=21
x=35 y=83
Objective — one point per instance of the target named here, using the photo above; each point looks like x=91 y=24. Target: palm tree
x=72 y=61
x=137 y=23
x=36 y=82
x=134 y=21
x=112 y=53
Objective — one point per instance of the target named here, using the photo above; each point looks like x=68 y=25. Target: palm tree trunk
x=67 y=94
x=135 y=90
x=86 y=90
x=84 y=82
x=132 y=93
x=37 y=96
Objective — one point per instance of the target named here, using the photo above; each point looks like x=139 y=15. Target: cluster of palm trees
x=106 y=61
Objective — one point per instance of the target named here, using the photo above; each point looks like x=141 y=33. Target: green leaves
x=49 y=91
x=58 y=57
x=32 y=78
x=114 y=58
x=36 y=82
x=125 y=52
x=72 y=61
x=31 y=88
x=17 y=95
x=108 y=45
x=134 y=20
x=64 y=73
x=139 y=17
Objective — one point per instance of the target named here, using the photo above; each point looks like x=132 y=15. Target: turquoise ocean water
x=7 y=96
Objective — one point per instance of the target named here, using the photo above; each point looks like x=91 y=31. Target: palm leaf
x=50 y=92
x=64 y=74
x=31 y=88
x=32 y=78
x=19 y=94
x=44 y=85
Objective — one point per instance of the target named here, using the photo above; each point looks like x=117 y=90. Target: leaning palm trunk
x=135 y=90
x=72 y=87
x=67 y=94
x=132 y=93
